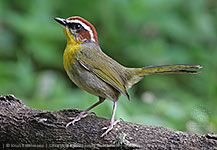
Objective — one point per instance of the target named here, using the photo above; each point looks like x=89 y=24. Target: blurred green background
x=135 y=33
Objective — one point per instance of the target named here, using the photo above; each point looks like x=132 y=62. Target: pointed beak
x=61 y=21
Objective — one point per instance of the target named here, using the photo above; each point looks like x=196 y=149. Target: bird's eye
x=75 y=26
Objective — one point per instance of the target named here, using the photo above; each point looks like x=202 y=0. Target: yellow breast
x=72 y=47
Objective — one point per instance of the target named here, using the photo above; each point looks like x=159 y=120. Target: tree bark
x=21 y=126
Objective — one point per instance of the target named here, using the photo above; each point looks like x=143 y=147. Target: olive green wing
x=102 y=68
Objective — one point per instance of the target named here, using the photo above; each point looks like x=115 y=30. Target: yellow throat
x=72 y=47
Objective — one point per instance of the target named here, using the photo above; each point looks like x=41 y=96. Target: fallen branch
x=21 y=126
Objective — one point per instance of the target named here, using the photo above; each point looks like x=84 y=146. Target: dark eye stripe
x=75 y=26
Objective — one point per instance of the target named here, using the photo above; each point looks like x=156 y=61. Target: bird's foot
x=82 y=114
x=110 y=127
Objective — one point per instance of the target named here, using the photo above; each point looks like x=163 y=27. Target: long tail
x=138 y=73
x=168 y=69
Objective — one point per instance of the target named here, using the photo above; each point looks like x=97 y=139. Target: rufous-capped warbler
x=95 y=72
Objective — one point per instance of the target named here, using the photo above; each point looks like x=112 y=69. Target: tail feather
x=169 y=69
x=138 y=73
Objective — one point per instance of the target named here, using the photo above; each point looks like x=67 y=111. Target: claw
x=83 y=114
x=110 y=127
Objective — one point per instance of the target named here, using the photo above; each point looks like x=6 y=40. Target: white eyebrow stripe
x=85 y=27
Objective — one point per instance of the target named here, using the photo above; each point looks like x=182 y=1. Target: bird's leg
x=113 y=121
x=84 y=113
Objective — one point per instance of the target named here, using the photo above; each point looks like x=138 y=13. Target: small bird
x=95 y=72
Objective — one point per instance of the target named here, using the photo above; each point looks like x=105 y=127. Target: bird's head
x=78 y=29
